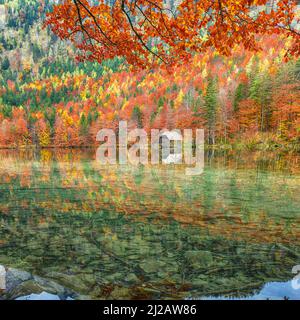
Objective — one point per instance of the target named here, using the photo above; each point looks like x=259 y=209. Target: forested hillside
x=28 y=50
x=49 y=99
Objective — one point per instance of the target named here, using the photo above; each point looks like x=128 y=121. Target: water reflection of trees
x=154 y=232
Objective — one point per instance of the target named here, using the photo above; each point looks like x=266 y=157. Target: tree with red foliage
x=149 y=33
x=286 y=113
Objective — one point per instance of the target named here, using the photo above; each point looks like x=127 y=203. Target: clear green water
x=151 y=232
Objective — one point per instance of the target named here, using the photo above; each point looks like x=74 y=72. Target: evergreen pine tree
x=211 y=109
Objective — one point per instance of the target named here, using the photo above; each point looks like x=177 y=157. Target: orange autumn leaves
x=14 y=130
x=88 y=103
x=151 y=33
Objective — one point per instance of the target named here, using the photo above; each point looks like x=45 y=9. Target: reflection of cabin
x=171 y=143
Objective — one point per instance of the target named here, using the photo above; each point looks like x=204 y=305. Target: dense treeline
x=248 y=98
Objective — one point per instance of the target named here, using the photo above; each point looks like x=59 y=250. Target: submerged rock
x=199 y=258
x=15 y=277
x=51 y=286
x=76 y=283
x=152 y=265
x=120 y=293
x=131 y=278
x=21 y=285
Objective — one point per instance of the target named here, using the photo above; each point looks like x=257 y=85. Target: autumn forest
x=248 y=98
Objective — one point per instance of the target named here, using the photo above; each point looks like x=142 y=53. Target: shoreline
x=295 y=148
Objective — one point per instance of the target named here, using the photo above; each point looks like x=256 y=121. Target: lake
x=151 y=232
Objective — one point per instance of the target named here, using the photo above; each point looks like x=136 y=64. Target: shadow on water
x=118 y=232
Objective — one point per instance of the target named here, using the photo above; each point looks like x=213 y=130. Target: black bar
x=143 y=309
